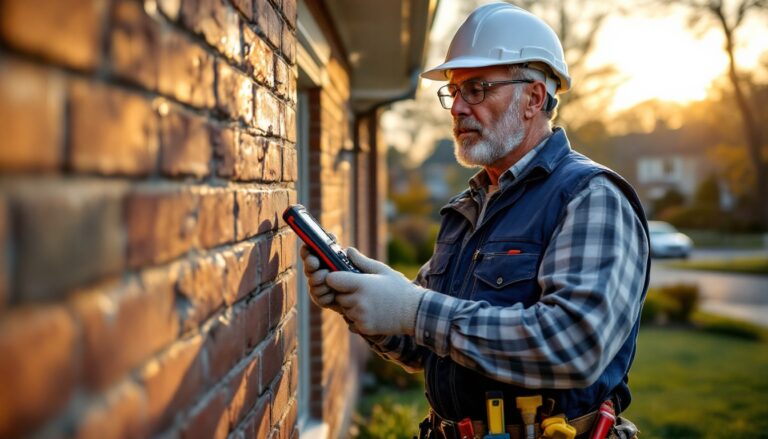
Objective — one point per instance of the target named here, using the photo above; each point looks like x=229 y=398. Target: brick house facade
x=148 y=286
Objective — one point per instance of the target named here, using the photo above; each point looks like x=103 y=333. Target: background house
x=148 y=287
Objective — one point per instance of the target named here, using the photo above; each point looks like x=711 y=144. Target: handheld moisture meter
x=320 y=243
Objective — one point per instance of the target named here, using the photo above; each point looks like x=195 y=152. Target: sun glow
x=660 y=58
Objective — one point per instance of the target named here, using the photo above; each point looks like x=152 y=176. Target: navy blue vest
x=468 y=263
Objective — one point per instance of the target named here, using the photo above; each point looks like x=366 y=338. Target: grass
x=751 y=265
x=690 y=384
x=685 y=384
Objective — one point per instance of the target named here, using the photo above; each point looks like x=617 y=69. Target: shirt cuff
x=433 y=321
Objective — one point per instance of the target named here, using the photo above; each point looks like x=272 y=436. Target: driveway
x=743 y=296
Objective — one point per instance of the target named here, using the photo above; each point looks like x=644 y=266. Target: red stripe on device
x=305 y=238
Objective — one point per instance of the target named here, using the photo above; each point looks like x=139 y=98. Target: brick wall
x=147 y=285
x=331 y=172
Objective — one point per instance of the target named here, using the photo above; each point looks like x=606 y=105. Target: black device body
x=321 y=244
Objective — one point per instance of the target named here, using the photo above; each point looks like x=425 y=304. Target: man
x=540 y=267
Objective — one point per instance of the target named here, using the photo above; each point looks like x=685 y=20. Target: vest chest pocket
x=438 y=269
x=497 y=272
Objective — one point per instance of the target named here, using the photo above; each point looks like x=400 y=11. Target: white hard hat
x=500 y=33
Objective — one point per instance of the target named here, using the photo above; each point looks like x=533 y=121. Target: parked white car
x=667 y=242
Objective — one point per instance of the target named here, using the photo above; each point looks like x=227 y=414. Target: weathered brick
x=273 y=162
x=266 y=112
x=112 y=131
x=31 y=117
x=286 y=428
x=225 y=343
x=171 y=8
x=225 y=147
x=201 y=282
x=259 y=59
x=290 y=292
x=38 y=370
x=217 y=217
x=243 y=157
x=135 y=44
x=269 y=251
x=294 y=373
x=210 y=420
x=161 y=223
x=290 y=11
x=119 y=414
x=254 y=214
x=65 y=31
x=290 y=164
x=258 y=158
x=246 y=7
x=234 y=93
x=125 y=323
x=241 y=271
x=185 y=145
x=250 y=259
x=217 y=22
x=5 y=248
x=290 y=124
x=288 y=252
x=257 y=322
x=289 y=332
x=282 y=81
x=186 y=71
x=70 y=230
x=173 y=381
x=277 y=304
x=259 y=421
x=244 y=388
x=289 y=47
x=272 y=360
x=280 y=395
x=268 y=21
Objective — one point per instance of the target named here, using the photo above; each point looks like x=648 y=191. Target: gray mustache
x=464 y=124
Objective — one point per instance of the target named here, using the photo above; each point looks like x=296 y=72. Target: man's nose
x=459 y=106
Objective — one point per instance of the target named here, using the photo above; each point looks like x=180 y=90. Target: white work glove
x=319 y=292
x=379 y=301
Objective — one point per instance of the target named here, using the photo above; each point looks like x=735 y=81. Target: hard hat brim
x=440 y=73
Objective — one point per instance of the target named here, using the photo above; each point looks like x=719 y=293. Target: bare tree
x=729 y=17
x=578 y=23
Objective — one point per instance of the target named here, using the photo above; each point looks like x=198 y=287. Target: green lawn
x=686 y=384
x=754 y=265
x=689 y=384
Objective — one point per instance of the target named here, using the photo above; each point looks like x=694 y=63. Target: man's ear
x=537 y=100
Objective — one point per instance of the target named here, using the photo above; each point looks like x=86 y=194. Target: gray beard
x=494 y=142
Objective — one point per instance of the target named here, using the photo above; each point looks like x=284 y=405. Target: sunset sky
x=661 y=58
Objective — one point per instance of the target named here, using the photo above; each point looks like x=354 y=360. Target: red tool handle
x=606 y=417
x=466 y=430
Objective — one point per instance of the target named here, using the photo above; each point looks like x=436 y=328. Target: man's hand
x=381 y=301
x=319 y=292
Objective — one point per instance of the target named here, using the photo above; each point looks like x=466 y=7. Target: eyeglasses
x=472 y=91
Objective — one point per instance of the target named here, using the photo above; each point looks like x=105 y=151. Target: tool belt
x=435 y=427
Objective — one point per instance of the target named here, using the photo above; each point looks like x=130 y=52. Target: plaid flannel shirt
x=591 y=276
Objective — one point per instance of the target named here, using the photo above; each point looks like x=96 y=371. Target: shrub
x=670 y=303
x=396 y=421
x=727 y=326
x=687 y=298
x=657 y=308
x=400 y=252
x=390 y=374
